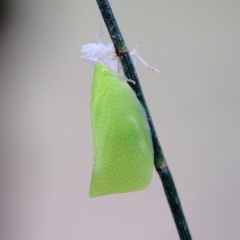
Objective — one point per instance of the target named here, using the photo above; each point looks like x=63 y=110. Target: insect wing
x=123 y=151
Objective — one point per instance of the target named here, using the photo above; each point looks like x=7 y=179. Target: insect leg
x=135 y=56
x=99 y=34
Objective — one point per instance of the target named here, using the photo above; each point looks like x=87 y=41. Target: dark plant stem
x=159 y=159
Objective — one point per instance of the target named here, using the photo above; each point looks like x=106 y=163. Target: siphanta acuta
x=123 y=150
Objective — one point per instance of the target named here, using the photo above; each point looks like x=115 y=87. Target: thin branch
x=159 y=159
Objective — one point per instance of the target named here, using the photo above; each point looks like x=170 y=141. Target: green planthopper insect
x=123 y=149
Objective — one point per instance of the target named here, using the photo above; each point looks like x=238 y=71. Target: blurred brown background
x=46 y=150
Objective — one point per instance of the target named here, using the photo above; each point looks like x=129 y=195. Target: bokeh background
x=46 y=152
